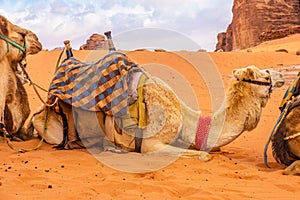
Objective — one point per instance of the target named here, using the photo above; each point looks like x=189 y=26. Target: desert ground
x=236 y=172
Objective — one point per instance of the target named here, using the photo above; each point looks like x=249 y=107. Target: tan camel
x=169 y=119
x=286 y=140
x=15 y=44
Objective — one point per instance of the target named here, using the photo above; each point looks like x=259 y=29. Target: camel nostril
x=279 y=84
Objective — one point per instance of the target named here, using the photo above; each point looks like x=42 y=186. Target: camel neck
x=231 y=120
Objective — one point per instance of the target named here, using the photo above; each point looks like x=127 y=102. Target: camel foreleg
x=4 y=66
x=155 y=146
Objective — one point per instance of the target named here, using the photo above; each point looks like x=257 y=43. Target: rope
x=22 y=150
x=41 y=99
x=59 y=59
x=292 y=136
x=37 y=86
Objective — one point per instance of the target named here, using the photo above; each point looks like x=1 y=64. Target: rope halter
x=14 y=44
x=260 y=83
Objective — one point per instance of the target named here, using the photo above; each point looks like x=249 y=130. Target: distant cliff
x=257 y=21
x=95 y=42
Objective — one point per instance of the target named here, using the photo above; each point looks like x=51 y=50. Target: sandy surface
x=289 y=43
x=237 y=172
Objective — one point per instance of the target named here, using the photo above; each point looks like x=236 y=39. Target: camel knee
x=50 y=129
x=152 y=145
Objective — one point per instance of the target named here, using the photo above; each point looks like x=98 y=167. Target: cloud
x=57 y=20
x=152 y=38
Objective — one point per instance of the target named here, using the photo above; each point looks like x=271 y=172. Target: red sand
x=237 y=172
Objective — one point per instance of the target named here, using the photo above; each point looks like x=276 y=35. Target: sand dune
x=237 y=172
x=289 y=43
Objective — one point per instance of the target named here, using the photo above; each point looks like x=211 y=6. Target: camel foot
x=293 y=169
x=113 y=150
x=22 y=137
x=11 y=137
x=59 y=147
x=202 y=155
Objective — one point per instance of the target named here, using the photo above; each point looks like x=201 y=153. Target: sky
x=197 y=21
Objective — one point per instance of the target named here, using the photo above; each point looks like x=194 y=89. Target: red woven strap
x=202 y=132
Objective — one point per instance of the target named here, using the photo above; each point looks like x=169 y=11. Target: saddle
x=112 y=85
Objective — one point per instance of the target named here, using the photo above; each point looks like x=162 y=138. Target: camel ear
x=3 y=26
x=233 y=72
x=245 y=73
x=238 y=73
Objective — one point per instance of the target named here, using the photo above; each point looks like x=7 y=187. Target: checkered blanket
x=100 y=86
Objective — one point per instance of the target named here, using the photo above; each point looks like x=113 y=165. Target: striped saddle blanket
x=103 y=85
x=292 y=91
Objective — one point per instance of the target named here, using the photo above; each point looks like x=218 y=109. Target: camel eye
x=21 y=41
x=22 y=38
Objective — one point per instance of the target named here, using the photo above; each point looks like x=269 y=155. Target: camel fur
x=14 y=106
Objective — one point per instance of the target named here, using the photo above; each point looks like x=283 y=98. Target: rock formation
x=95 y=42
x=257 y=21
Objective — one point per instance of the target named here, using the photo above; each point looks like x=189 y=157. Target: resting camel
x=15 y=44
x=169 y=120
x=286 y=140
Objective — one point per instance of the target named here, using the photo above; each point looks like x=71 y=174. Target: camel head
x=248 y=93
x=22 y=38
x=265 y=80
